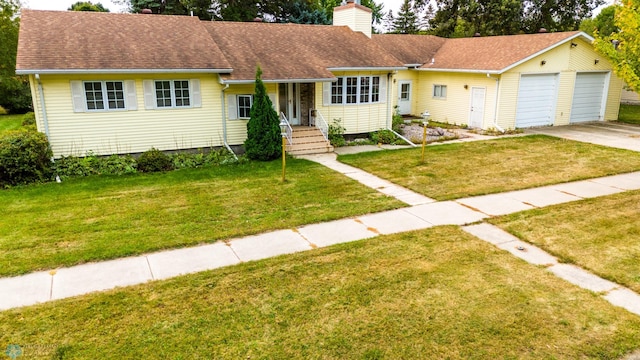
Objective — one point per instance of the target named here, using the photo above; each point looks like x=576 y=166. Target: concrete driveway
x=616 y=135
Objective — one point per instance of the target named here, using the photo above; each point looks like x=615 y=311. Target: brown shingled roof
x=410 y=49
x=293 y=51
x=493 y=53
x=84 y=41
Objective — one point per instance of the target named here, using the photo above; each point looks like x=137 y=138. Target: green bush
x=154 y=160
x=336 y=133
x=383 y=136
x=25 y=157
x=263 y=131
x=397 y=121
x=117 y=165
x=3 y=111
x=72 y=166
x=188 y=160
x=29 y=119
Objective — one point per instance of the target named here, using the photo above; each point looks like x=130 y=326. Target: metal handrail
x=322 y=124
x=289 y=129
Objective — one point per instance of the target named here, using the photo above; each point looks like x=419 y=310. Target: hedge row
x=26 y=157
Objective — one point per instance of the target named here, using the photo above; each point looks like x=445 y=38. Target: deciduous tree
x=623 y=47
x=88 y=6
x=15 y=94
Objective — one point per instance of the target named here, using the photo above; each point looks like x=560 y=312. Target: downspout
x=389 y=114
x=495 y=107
x=224 y=117
x=45 y=120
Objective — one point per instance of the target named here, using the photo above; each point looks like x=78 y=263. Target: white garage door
x=587 y=97
x=536 y=100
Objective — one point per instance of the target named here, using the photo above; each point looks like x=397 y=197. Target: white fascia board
x=122 y=71
x=368 y=68
x=280 y=81
x=468 y=71
x=577 y=35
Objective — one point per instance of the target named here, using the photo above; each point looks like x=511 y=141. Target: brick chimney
x=353 y=15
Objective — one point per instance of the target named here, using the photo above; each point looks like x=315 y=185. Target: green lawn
x=10 y=122
x=629 y=114
x=433 y=294
x=483 y=167
x=97 y=218
x=599 y=234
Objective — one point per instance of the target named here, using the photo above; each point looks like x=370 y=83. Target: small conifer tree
x=263 y=129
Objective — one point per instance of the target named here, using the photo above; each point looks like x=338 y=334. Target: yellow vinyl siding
x=237 y=128
x=357 y=118
x=408 y=75
x=455 y=108
x=108 y=132
x=566 y=61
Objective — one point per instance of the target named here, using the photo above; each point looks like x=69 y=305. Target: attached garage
x=588 y=96
x=537 y=97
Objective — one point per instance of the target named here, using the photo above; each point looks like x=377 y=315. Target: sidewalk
x=423 y=213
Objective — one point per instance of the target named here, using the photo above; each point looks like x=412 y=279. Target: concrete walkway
x=423 y=213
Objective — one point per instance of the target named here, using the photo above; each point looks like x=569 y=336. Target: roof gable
x=294 y=51
x=495 y=54
x=68 y=41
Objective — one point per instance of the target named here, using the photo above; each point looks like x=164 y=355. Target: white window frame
x=105 y=95
x=350 y=83
x=438 y=90
x=172 y=87
x=238 y=97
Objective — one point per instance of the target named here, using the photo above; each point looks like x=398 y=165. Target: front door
x=289 y=102
x=404 y=97
x=476 y=115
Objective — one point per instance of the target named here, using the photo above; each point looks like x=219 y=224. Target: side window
x=172 y=93
x=104 y=95
x=336 y=91
x=440 y=91
x=244 y=106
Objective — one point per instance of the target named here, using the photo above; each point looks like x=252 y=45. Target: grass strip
x=459 y=170
x=97 y=218
x=600 y=234
x=438 y=293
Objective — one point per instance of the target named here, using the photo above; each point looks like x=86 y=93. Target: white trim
x=280 y=81
x=519 y=62
x=367 y=68
x=122 y=71
x=172 y=89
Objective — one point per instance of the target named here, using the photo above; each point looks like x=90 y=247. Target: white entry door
x=289 y=102
x=404 y=97
x=476 y=113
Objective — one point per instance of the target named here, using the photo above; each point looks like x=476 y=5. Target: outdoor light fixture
x=425 y=122
x=573 y=45
x=283 y=133
x=596 y=61
x=543 y=62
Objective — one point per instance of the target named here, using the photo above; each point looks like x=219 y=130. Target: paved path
x=618 y=135
x=423 y=213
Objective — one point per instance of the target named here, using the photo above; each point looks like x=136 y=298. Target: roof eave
x=472 y=71
x=278 y=81
x=520 y=62
x=120 y=71
x=391 y=68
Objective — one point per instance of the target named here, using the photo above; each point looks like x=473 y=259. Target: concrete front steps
x=308 y=140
